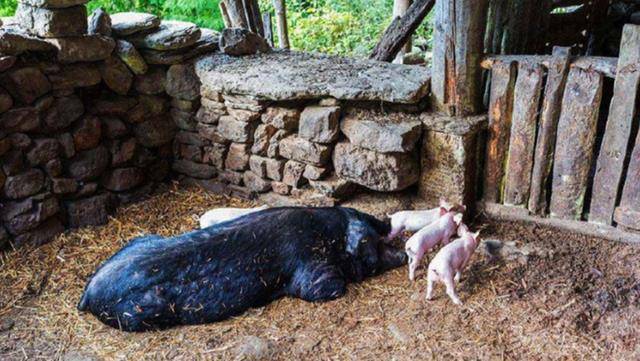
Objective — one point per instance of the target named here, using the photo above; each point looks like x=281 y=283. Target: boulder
x=75 y=76
x=54 y=167
x=64 y=186
x=315 y=173
x=93 y=211
x=195 y=170
x=255 y=183
x=244 y=115
x=237 y=157
x=131 y=57
x=128 y=23
x=89 y=165
x=170 y=35
x=52 y=23
x=236 y=131
x=43 y=151
x=207 y=116
x=296 y=148
x=20 y=120
x=86 y=48
x=113 y=128
x=184 y=120
x=384 y=133
x=24 y=184
x=275 y=168
x=6 y=102
x=152 y=82
x=25 y=84
x=211 y=134
x=99 y=23
x=117 y=106
x=239 y=42
x=122 y=152
x=40 y=212
x=261 y=138
x=282 y=118
x=116 y=75
x=273 y=150
x=54 y=4
x=44 y=233
x=16 y=42
x=87 y=134
x=156 y=131
x=320 y=124
x=123 y=179
x=207 y=43
x=215 y=155
x=293 y=174
x=63 y=112
x=191 y=138
x=182 y=82
x=231 y=177
x=376 y=171
x=334 y=187
x=66 y=144
x=13 y=162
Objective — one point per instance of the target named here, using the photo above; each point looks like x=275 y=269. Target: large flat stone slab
x=382 y=132
x=287 y=75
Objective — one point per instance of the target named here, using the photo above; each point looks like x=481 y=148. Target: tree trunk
x=400 y=8
x=281 y=19
x=225 y=14
x=235 y=10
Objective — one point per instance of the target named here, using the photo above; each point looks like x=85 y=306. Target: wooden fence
x=545 y=161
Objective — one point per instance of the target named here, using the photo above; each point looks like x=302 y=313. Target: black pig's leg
x=317 y=283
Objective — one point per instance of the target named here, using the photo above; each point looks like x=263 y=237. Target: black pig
x=221 y=271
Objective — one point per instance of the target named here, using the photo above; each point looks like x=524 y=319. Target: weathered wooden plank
x=503 y=77
x=575 y=143
x=516 y=214
x=524 y=122
x=280 y=8
x=235 y=10
x=400 y=30
x=628 y=212
x=225 y=14
x=627 y=218
x=267 y=24
x=610 y=166
x=601 y=64
x=547 y=130
x=400 y=8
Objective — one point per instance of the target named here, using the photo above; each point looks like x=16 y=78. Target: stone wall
x=87 y=109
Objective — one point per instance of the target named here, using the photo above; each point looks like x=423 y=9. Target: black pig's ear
x=358 y=232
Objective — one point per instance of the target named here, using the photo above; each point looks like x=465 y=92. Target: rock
x=280 y=188
x=184 y=120
x=275 y=168
x=296 y=148
x=92 y=211
x=158 y=170
x=320 y=124
x=254 y=348
x=89 y=165
x=136 y=195
x=315 y=173
x=235 y=131
x=20 y=120
x=155 y=132
x=6 y=102
x=334 y=187
x=153 y=82
x=215 y=155
x=128 y=23
x=213 y=105
x=5 y=146
x=54 y=4
x=154 y=104
x=283 y=75
x=376 y=171
x=54 y=167
x=64 y=186
x=210 y=133
x=282 y=118
x=123 y=179
x=239 y=42
x=113 y=128
x=43 y=104
x=131 y=57
x=170 y=35
x=52 y=23
x=207 y=43
x=87 y=134
x=20 y=141
x=329 y=102
x=75 y=76
x=238 y=157
x=273 y=150
x=258 y=165
x=64 y=112
x=25 y=84
x=195 y=170
x=40 y=212
x=242 y=192
x=244 y=103
x=7 y=62
x=188 y=152
x=384 y=133
x=256 y=183
x=66 y=144
x=182 y=82
x=43 y=151
x=116 y=75
x=99 y=23
x=15 y=42
x=86 y=48
x=122 y=152
x=185 y=105
x=191 y=138
x=261 y=138
x=116 y=106
x=293 y=172
x=206 y=116
x=231 y=177
x=13 y=162
x=45 y=233
x=244 y=115
x=24 y=184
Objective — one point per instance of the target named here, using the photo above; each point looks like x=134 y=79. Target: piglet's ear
x=476 y=235
x=443 y=211
x=458 y=219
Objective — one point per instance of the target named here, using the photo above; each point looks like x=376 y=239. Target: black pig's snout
x=392 y=257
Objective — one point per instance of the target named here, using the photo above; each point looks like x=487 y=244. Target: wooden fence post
x=235 y=10
x=399 y=9
x=628 y=214
x=268 y=28
x=281 y=21
x=607 y=182
x=225 y=14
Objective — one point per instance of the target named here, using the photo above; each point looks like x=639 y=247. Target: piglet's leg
x=413 y=266
x=430 y=279
x=451 y=289
x=457 y=277
x=318 y=283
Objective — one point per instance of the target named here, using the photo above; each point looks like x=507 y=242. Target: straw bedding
x=575 y=298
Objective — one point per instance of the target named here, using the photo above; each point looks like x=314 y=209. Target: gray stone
x=296 y=148
x=236 y=131
x=376 y=171
x=155 y=132
x=261 y=138
x=315 y=173
x=24 y=184
x=275 y=168
x=86 y=48
x=282 y=118
x=214 y=105
x=273 y=150
x=334 y=187
x=385 y=133
x=20 y=120
x=153 y=104
x=191 y=138
x=286 y=75
x=280 y=188
x=195 y=170
x=40 y=212
x=45 y=232
x=238 y=157
x=20 y=141
x=54 y=4
x=6 y=102
x=99 y=23
x=215 y=155
x=123 y=179
x=113 y=128
x=231 y=177
x=92 y=211
x=75 y=76
x=131 y=57
x=116 y=75
x=66 y=143
x=51 y=23
x=185 y=105
x=320 y=124
x=207 y=116
x=244 y=115
x=210 y=133
x=122 y=152
x=184 y=120
x=258 y=165
x=128 y=23
x=244 y=103
x=207 y=43
x=64 y=112
x=188 y=152
x=293 y=172
x=16 y=42
x=152 y=82
x=43 y=151
x=239 y=42
x=25 y=84
x=89 y=165
x=256 y=183
x=87 y=133
x=182 y=82
x=170 y=35
x=64 y=186
x=117 y=106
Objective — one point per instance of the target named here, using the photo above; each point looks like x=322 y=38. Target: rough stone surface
x=116 y=75
x=182 y=82
x=123 y=179
x=273 y=150
x=25 y=84
x=184 y=120
x=54 y=4
x=63 y=112
x=376 y=171
x=83 y=48
x=16 y=42
x=280 y=188
x=296 y=148
x=284 y=75
x=89 y=165
x=99 y=23
x=282 y=118
x=334 y=187
x=207 y=43
x=152 y=82
x=63 y=186
x=117 y=106
x=236 y=131
x=75 y=76
x=385 y=133
x=43 y=151
x=42 y=234
x=113 y=128
x=256 y=183
x=274 y=168
x=207 y=116
x=258 y=165
x=244 y=115
x=315 y=173
x=239 y=42
x=210 y=133
x=170 y=35
x=231 y=177
x=293 y=174
x=122 y=152
x=155 y=132
x=131 y=57
x=238 y=157
x=20 y=120
x=6 y=102
x=87 y=134
x=92 y=211
x=24 y=184
x=215 y=155
x=40 y=212
x=192 y=169
x=261 y=138
x=128 y=23
x=320 y=124
x=51 y=23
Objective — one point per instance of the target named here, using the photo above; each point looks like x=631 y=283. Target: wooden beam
x=225 y=14
x=607 y=182
x=627 y=213
x=517 y=214
x=547 y=130
x=281 y=21
x=400 y=8
x=267 y=24
x=523 y=134
x=575 y=143
x=605 y=65
x=400 y=30
x=503 y=76
x=235 y=10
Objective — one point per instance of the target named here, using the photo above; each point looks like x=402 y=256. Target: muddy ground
x=554 y=296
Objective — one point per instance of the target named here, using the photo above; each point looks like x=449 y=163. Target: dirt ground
x=556 y=296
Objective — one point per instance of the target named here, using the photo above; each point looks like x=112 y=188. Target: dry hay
x=580 y=301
